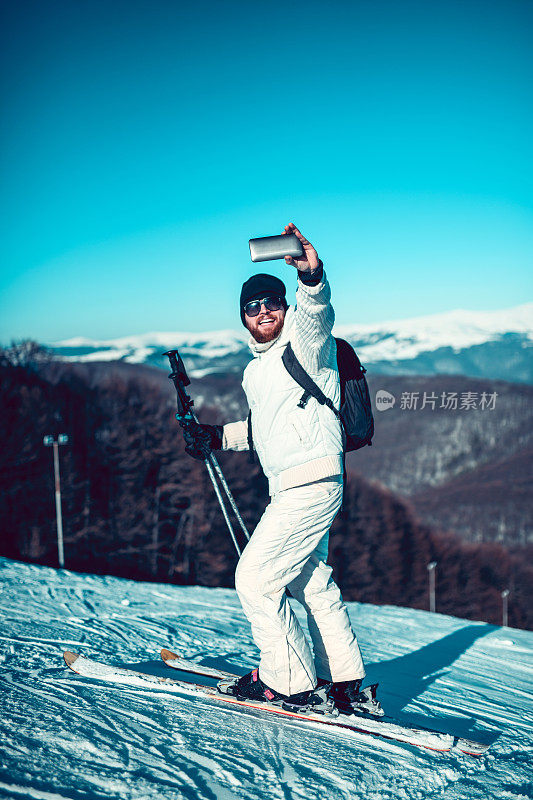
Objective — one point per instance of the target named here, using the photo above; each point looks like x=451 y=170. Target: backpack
x=355 y=408
x=355 y=412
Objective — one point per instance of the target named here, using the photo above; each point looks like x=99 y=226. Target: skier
x=301 y=452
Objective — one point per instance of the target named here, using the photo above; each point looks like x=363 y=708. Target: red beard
x=268 y=334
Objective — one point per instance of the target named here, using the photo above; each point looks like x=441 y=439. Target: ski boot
x=251 y=687
x=349 y=698
x=315 y=700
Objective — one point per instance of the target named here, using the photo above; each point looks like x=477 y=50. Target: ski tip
x=70 y=657
x=168 y=655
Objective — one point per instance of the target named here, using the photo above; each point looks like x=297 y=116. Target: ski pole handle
x=180 y=379
x=177 y=366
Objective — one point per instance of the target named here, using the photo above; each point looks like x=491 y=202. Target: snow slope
x=64 y=736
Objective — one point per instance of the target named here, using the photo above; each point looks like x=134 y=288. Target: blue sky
x=143 y=144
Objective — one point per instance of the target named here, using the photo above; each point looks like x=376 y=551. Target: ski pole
x=185 y=407
x=185 y=414
x=228 y=493
x=222 y=506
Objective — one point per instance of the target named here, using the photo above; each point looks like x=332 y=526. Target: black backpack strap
x=251 y=458
x=296 y=371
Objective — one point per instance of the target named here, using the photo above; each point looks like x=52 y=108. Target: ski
x=175 y=661
x=431 y=740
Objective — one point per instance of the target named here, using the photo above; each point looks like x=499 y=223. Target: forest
x=136 y=505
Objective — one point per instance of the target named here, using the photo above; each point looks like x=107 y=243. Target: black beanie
x=259 y=286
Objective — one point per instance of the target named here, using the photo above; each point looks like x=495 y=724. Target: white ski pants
x=289 y=548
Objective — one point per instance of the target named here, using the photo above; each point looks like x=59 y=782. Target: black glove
x=201 y=439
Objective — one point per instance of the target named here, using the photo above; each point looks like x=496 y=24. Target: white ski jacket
x=294 y=445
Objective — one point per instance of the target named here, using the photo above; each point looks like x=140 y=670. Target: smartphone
x=267 y=248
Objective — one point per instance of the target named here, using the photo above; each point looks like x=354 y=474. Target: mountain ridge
x=495 y=344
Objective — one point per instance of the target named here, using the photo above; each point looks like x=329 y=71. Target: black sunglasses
x=272 y=303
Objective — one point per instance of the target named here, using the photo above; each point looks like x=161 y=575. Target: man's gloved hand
x=201 y=439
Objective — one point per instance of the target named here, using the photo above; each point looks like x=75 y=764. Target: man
x=301 y=452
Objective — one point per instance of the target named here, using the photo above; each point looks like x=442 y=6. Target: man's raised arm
x=314 y=316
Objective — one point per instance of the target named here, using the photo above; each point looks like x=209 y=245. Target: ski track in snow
x=65 y=737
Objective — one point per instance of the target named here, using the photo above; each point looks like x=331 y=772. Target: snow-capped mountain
x=203 y=353
x=494 y=344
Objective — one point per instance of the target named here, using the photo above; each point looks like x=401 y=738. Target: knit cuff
x=235 y=436
x=312 y=278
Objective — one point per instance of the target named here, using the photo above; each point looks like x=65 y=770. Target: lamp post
x=431 y=570
x=49 y=441
x=505 y=617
